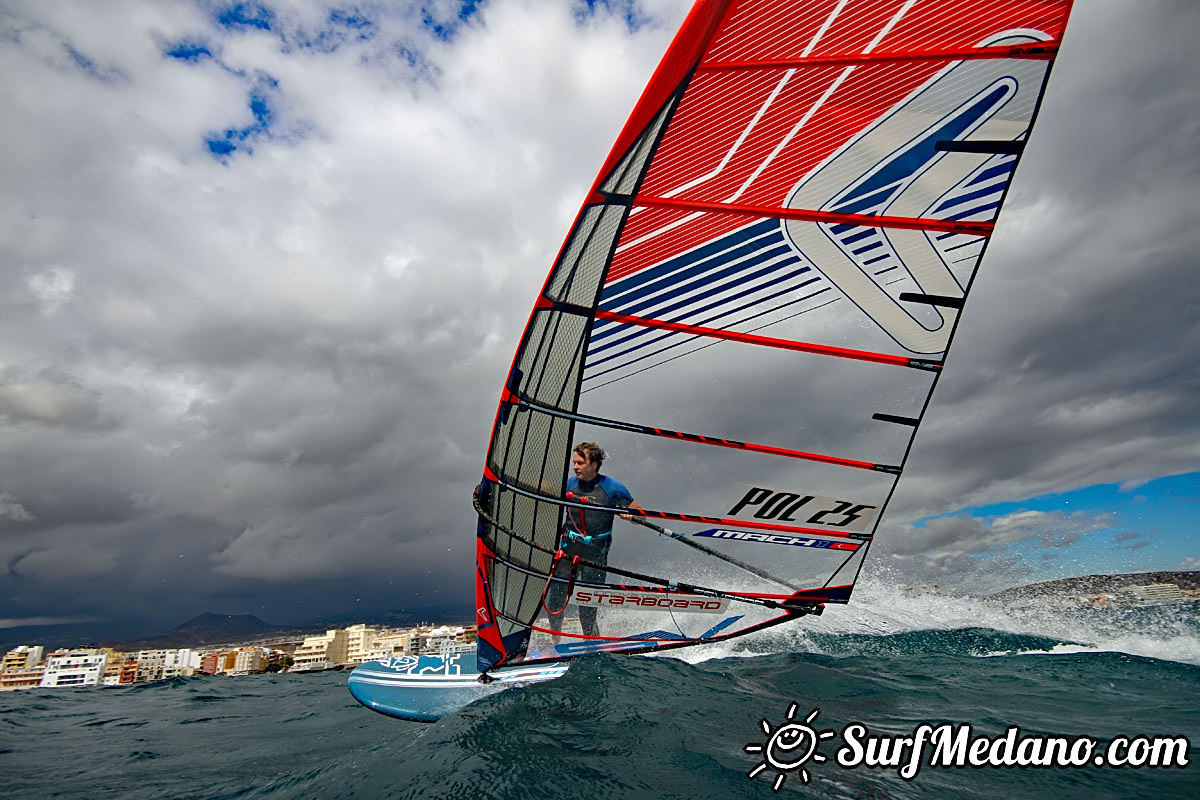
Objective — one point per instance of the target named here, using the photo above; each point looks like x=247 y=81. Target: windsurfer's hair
x=591 y=452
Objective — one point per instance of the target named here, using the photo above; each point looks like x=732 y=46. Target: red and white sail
x=752 y=309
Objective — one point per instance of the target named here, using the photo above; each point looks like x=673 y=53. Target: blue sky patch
x=188 y=51
x=246 y=15
x=341 y=27
x=1151 y=525
x=446 y=27
x=626 y=10
x=262 y=103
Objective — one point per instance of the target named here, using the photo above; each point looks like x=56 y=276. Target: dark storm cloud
x=1075 y=363
x=263 y=281
x=260 y=377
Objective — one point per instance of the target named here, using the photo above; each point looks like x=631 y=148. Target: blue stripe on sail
x=697 y=277
x=974 y=240
x=657 y=635
x=1003 y=168
x=638 y=332
x=681 y=274
x=872 y=201
x=854 y=237
x=720 y=626
x=705 y=252
x=681 y=340
x=842 y=227
x=898 y=172
x=867 y=248
x=968 y=197
x=656 y=336
x=976 y=210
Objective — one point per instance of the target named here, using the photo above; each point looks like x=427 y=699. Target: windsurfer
x=587 y=533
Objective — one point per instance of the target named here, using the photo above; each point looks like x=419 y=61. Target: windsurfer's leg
x=588 y=614
x=556 y=601
x=587 y=621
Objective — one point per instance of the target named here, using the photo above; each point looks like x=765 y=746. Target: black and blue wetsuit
x=597 y=527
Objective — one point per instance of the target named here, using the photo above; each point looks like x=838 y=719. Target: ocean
x=674 y=727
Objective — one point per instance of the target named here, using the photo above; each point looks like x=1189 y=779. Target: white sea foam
x=1166 y=632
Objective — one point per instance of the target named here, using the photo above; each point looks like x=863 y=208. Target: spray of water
x=881 y=608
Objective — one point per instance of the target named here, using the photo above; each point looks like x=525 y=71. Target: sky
x=266 y=263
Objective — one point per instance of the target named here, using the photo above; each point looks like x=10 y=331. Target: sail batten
x=715 y=441
x=1042 y=51
x=799 y=201
x=828 y=217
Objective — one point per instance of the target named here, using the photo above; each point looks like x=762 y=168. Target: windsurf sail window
x=751 y=312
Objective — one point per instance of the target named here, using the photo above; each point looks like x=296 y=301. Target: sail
x=750 y=313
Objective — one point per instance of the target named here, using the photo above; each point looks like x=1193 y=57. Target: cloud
x=266 y=264
x=1073 y=363
x=969 y=535
x=11 y=508
x=984 y=554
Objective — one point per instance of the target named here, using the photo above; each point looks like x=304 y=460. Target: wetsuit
x=601 y=491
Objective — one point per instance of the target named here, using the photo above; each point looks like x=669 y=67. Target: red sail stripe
x=1043 y=51
x=750 y=338
x=830 y=217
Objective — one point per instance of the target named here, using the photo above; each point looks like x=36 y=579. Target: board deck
x=429 y=687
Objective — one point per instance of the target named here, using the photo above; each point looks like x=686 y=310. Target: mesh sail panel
x=625 y=177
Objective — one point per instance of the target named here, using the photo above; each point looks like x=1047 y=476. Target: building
x=30 y=678
x=77 y=668
x=321 y=652
x=150 y=664
x=116 y=667
x=23 y=657
x=248 y=660
x=360 y=641
x=129 y=669
x=1153 y=594
x=177 y=663
x=394 y=643
x=218 y=662
x=445 y=639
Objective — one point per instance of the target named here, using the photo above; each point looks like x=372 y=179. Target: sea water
x=693 y=725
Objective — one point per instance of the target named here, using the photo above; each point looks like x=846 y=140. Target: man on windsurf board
x=587 y=533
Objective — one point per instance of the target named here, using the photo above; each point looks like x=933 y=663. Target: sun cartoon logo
x=789 y=747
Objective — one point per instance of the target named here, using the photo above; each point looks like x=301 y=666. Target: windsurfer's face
x=585 y=470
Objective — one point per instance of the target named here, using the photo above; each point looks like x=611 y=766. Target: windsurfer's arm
x=634 y=505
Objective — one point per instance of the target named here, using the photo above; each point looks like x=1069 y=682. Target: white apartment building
x=360 y=641
x=176 y=663
x=446 y=640
x=150 y=664
x=78 y=668
x=393 y=643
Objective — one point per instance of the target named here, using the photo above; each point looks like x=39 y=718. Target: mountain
x=210 y=628
x=1090 y=585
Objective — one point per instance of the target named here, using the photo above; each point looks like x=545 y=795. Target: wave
x=886 y=619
